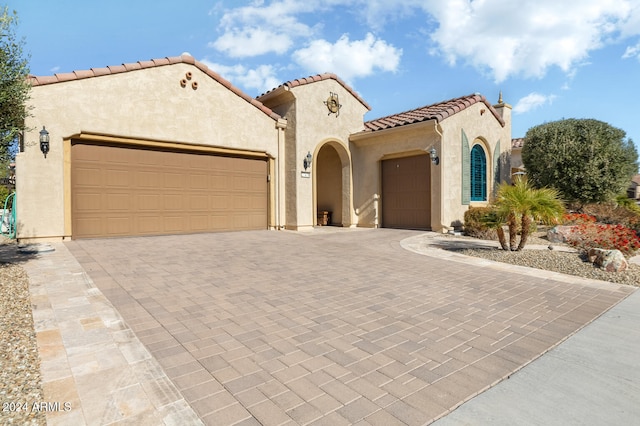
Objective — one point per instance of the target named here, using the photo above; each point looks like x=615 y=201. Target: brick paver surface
x=276 y=328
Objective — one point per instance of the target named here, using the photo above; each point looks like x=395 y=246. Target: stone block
x=559 y=233
x=609 y=260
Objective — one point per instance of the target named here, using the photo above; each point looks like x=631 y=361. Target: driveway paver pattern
x=335 y=328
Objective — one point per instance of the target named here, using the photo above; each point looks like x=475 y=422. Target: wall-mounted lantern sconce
x=307 y=161
x=434 y=156
x=44 y=141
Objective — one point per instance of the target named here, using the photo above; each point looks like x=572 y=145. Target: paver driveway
x=330 y=328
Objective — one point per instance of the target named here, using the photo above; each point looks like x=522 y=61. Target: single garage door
x=125 y=191
x=406 y=192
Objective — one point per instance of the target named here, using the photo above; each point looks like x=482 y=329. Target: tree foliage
x=586 y=160
x=14 y=87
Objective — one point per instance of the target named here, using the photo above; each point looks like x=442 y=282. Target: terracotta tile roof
x=517 y=143
x=439 y=112
x=315 y=78
x=184 y=59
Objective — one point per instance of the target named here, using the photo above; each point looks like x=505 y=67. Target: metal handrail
x=9 y=219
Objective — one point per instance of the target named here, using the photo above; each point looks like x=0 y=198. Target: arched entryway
x=332 y=184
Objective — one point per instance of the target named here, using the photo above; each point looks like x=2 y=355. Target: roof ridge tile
x=315 y=78
x=117 y=69
x=438 y=111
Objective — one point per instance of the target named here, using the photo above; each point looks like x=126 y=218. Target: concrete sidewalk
x=591 y=379
x=345 y=328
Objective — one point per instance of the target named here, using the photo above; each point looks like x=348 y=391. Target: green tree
x=520 y=205
x=14 y=86
x=586 y=160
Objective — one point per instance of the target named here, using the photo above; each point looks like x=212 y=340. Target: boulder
x=609 y=260
x=559 y=233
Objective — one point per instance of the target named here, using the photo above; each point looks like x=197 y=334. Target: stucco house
x=633 y=191
x=168 y=146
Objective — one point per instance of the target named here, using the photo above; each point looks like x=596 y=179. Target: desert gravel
x=570 y=263
x=20 y=381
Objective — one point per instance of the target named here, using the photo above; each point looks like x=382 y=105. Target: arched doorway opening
x=332 y=174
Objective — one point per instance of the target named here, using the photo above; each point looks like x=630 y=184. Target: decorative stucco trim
x=466 y=169
x=101 y=138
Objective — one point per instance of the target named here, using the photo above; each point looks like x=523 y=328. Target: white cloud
x=257 y=29
x=632 y=52
x=502 y=38
x=252 y=42
x=261 y=78
x=349 y=59
x=510 y=38
x=532 y=101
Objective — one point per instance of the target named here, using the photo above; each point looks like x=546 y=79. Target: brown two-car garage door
x=125 y=191
x=406 y=192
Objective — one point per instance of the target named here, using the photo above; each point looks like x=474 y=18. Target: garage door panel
x=173 y=224
x=198 y=202
x=127 y=191
x=117 y=177
x=220 y=202
x=406 y=192
x=118 y=202
x=147 y=179
x=149 y=202
x=149 y=224
x=198 y=181
x=88 y=175
x=171 y=202
x=89 y=226
x=199 y=222
x=118 y=225
x=87 y=201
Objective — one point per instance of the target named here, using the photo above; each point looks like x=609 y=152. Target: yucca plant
x=523 y=203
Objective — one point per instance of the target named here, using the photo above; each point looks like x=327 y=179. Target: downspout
x=436 y=125
x=281 y=125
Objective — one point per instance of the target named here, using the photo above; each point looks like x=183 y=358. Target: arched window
x=478 y=174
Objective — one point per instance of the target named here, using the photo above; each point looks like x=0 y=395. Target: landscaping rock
x=609 y=260
x=559 y=233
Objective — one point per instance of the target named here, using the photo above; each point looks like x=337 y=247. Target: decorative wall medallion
x=333 y=104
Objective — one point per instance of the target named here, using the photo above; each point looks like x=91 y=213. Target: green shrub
x=613 y=214
x=475 y=223
x=4 y=193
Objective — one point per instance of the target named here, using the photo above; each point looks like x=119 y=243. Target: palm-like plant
x=522 y=202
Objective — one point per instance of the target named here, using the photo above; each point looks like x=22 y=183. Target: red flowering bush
x=577 y=218
x=587 y=234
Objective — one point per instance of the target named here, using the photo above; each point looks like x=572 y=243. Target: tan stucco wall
x=368 y=150
x=480 y=128
x=309 y=127
x=149 y=104
x=367 y=153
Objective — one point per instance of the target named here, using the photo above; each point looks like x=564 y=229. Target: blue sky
x=551 y=59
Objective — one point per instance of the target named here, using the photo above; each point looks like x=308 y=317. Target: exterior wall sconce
x=434 y=156
x=307 y=160
x=44 y=141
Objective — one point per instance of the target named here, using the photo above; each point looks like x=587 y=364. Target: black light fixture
x=434 y=156
x=307 y=160
x=44 y=141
